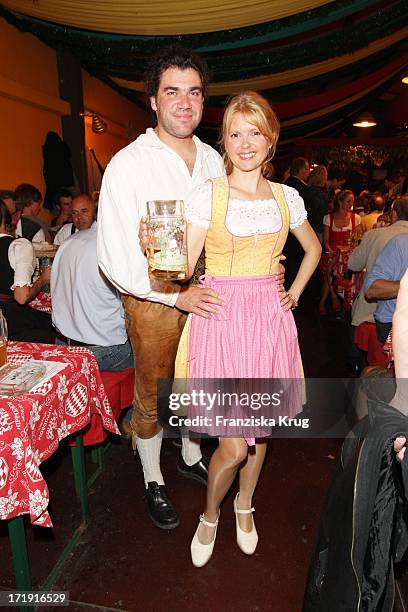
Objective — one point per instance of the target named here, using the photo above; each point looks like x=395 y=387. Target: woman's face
x=347 y=204
x=65 y=204
x=246 y=146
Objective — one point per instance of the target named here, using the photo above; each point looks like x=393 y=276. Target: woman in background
x=17 y=265
x=337 y=228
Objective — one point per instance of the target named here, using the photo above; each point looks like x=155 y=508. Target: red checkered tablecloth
x=350 y=284
x=42 y=302
x=32 y=424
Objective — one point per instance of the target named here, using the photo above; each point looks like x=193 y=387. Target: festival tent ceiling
x=320 y=63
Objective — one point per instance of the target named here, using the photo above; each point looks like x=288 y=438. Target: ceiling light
x=365 y=120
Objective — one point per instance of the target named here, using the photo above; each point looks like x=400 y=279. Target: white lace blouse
x=357 y=221
x=245 y=217
x=22 y=259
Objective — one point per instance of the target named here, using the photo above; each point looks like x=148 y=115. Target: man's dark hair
x=62 y=192
x=25 y=194
x=174 y=56
x=298 y=164
x=5 y=217
x=7 y=194
x=401 y=208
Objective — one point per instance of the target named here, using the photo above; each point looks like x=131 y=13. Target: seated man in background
x=86 y=309
x=383 y=282
x=28 y=201
x=83 y=211
x=63 y=206
x=17 y=289
x=365 y=254
x=377 y=204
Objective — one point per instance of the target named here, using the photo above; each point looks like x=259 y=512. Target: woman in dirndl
x=243 y=221
x=337 y=229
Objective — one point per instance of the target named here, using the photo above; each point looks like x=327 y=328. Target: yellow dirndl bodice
x=230 y=255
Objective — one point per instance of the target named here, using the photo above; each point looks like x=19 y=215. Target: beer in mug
x=166 y=246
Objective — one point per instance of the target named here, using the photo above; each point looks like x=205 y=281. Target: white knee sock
x=149 y=453
x=191 y=451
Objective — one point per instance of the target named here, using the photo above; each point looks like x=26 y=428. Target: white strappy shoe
x=201 y=553
x=246 y=540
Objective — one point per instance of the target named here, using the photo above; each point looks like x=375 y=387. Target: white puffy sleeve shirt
x=245 y=217
x=22 y=260
x=145 y=170
x=63 y=234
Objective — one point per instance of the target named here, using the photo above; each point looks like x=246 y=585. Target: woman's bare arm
x=326 y=235
x=24 y=295
x=311 y=246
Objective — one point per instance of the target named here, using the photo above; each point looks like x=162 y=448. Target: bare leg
x=248 y=479
x=224 y=465
x=325 y=292
x=335 y=299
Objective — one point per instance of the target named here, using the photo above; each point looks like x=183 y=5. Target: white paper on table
x=52 y=368
x=17 y=378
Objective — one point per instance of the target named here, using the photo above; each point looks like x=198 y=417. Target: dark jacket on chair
x=363 y=528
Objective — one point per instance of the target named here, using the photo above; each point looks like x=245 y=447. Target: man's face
x=304 y=173
x=82 y=213
x=65 y=204
x=178 y=103
x=35 y=207
x=10 y=204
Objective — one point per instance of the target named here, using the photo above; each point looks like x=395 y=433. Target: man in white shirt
x=83 y=215
x=31 y=230
x=87 y=309
x=164 y=163
x=28 y=201
x=364 y=256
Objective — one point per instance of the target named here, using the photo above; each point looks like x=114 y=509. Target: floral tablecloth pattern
x=351 y=283
x=42 y=302
x=33 y=424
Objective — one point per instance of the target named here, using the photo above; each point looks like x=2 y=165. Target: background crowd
x=342 y=210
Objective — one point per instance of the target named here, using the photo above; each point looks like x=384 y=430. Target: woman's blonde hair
x=319 y=176
x=340 y=197
x=257 y=111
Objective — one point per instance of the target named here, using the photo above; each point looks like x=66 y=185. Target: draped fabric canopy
x=308 y=71
x=161 y=17
x=318 y=62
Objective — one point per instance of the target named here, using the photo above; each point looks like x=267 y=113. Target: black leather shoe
x=197 y=471
x=159 y=507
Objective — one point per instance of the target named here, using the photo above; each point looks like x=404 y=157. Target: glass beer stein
x=167 y=246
